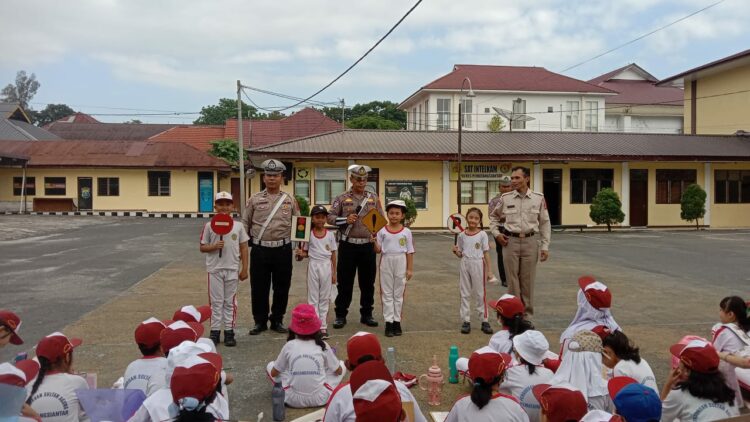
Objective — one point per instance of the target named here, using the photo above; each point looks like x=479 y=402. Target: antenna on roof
x=512 y=116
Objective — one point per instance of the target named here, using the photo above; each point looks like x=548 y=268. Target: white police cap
x=359 y=170
x=505 y=180
x=273 y=166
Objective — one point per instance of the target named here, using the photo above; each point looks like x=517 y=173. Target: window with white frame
x=414 y=118
x=592 y=116
x=519 y=107
x=426 y=115
x=329 y=183
x=478 y=191
x=419 y=117
x=302 y=189
x=466 y=111
x=571 y=114
x=444 y=113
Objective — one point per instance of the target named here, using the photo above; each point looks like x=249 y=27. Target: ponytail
x=317 y=338
x=195 y=416
x=44 y=366
x=738 y=306
x=481 y=394
x=517 y=324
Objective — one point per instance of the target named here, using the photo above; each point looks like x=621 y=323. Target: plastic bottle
x=21 y=356
x=277 y=399
x=452 y=358
x=390 y=360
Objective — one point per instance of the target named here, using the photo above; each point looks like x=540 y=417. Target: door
x=552 y=189
x=638 y=198
x=85 y=193
x=236 y=193
x=205 y=191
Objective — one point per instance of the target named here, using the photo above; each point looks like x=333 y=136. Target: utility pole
x=458 y=187
x=343 y=105
x=240 y=145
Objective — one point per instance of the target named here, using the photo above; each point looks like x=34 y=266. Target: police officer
x=268 y=219
x=505 y=187
x=356 y=253
x=526 y=230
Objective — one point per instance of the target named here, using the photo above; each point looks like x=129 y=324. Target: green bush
x=693 y=204
x=304 y=206
x=606 y=208
x=411 y=212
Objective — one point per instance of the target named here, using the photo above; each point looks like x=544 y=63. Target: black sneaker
x=339 y=323
x=504 y=283
x=214 y=336
x=397 y=328
x=486 y=328
x=465 y=328
x=368 y=321
x=279 y=327
x=388 y=329
x=257 y=329
x=229 y=340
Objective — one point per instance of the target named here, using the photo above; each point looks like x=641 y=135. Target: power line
x=289 y=97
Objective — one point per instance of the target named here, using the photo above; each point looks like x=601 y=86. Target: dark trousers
x=270 y=267
x=500 y=265
x=353 y=259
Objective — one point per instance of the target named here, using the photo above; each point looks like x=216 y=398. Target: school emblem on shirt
x=477 y=246
x=234 y=236
x=328 y=247
x=402 y=241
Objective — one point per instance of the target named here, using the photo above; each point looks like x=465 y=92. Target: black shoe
x=279 y=327
x=257 y=329
x=397 y=328
x=505 y=283
x=214 y=336
x=465 y=328
x=368 y=321
x=388 y=329
x=486 y=328
x=339 y=323
x=229 y=340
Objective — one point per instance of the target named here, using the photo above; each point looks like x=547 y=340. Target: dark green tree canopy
x=606 y=208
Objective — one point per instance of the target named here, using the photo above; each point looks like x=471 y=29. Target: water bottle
x=21 y=356
x=277 y=399
x=390 y=360
x=452 y=358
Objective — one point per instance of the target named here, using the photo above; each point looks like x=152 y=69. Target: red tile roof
x=75 y=118
x=199 y=137
x=640 y=92
x=107 y=131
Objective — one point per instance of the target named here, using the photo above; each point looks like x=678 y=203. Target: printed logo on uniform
x=328 y=247
x=477 y=246
x=402 y=241
x=348 y=200
x=234 y=236
x=362 y=171
x=370 y=200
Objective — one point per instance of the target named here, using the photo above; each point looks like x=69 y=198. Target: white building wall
x=643 y=124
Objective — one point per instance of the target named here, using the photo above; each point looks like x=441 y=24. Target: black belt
x=521 y=235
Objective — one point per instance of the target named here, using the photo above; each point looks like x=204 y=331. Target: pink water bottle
x=434 y=377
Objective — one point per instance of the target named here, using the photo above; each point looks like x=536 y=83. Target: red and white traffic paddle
x=456 y=224
x=222 y=224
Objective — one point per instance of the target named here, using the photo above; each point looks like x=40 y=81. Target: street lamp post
x=469 y=94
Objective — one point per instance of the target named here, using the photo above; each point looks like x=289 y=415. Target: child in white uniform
x=395 y=245
x=139 y=372
x=321 y=270
x=594 y=302
x=730 y=336
x=529 y=349
x=510 y=314
x=624 y=359
x=473 y=246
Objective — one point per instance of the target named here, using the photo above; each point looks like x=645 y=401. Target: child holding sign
x=225 y=251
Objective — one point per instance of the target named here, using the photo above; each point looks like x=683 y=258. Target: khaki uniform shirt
x=522 y=214
x=259 y=207
x=346 y=204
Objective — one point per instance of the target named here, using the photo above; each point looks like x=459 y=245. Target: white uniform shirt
x=321 y=248
x=473 y=246
x=518 y=383
x=501 y=342
x=56 y=399
x=640 y=372
x=500 y=409
x=159 y=407
x=683 y=406
x=139 y=372
x=340 y=407
x=307 y=365
x=230 y=256
x=394 y=243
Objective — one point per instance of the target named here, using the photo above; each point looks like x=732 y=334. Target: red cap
x=148 y=332
x=560 y=403
x=179 y=331
x=197 y=377
x=508 y=305
x=597 y=294
x=363 y=344
x=55 y=346
x=698 y=355
x=486 y=363
x=13 y=323
x=602 y=331
x=190 y=313
x=19 y=375
x=618 y=383
x=374 y=395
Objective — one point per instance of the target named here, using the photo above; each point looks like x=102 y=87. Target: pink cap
x=305 y=320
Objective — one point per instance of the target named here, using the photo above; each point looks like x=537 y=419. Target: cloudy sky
x=103 y=56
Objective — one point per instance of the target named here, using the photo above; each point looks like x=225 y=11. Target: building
x=640 y=105
x=15 y=125
x=555 y=102
x=78 y=128
x=648 y=171
x=717 y=95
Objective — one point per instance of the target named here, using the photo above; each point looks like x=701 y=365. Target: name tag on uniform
x=511 y=206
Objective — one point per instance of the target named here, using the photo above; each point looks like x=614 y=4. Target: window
x=519 y=107
x=302 y=188
x=426 y=115
x=419 y=117
x=158 y=183
x=329 y=183
x=592 y=116
x=571 y=114
x=373 y=181
x=466 y=110
x=478 y=191
x=30 y=186
x=414 y=118
x=444 y=113
x=732 y=186
x=54 y=186
x=586 y=183
x=671 y=183
x=108 y=186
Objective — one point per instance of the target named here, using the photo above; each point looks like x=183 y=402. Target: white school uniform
x=307 y=373
x=139 y=372
x=320 y=273
x=223 y=274
x=518 y=383
x=159 y=407
x=726 y=338
x=340 y=407
x=472 y=277
x=501 y=408
x=393 y=249
x=640 y=372
x=683 y=406
x=56 y=401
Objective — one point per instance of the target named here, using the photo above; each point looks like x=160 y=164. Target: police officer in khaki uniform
x=505 y=187
x=526 y=230
x=268 y=220
x=356 y=252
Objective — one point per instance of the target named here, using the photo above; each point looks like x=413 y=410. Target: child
x=696 y=389
x=530 y=349
x=321 y=270
x=139 y=372
x=625 y=360
x=395 y=244
x=375 y=398
x=634 y=401
x=10 y=323
x=560 y=402
x=730 y=336
x=510 y=315
x=171 y=337
x=487 y=368
x=195 y=385
x=472 y=246
x=13 y=381
x=53 y=394
x=222 y=271
x=307 y=367
x=594 y=301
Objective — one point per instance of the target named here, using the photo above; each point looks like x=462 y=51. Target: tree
x=227 y=150
x=50 y=114
x=606 y=208
x=373 y=122
x=134 y=122
x=693 y=204
x=496 y=124
x=304 y=206
x=220 y=113
x=22 y=92
x=411 y=212
x=387 y=110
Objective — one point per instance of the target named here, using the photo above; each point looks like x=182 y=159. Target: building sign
x=480 y=170
x=416 y=190
x=302 y=173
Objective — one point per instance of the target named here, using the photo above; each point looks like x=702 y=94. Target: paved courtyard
x=98 y=277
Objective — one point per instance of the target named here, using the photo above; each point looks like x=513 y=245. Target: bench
x=563 y=227
x=54 y=204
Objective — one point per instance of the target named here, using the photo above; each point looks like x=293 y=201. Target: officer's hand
x=545 y=255
x=219 y=245
x=351 y=219
x=243 y=275
x=333 y=278
x=503 y=239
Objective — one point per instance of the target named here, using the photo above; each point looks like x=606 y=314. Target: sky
x=147 y=56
